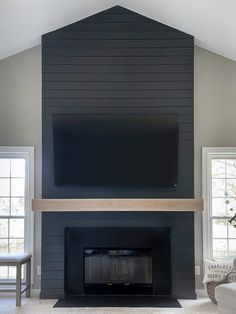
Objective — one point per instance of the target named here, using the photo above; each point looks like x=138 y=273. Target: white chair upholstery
x=14 y=258
x=226 y=298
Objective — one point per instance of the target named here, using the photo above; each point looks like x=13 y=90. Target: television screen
x=116 y=150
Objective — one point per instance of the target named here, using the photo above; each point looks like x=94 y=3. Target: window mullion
x=8 y=249
x=10 y=217
x=210 y=209
x=14 y=237
x=224 y=250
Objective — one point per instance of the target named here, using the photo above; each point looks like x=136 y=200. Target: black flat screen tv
x=116 y=150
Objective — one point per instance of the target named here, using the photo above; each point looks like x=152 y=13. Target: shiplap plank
x=135 y=68
x=120 y=77
x=142 y=51
x=119 y=34
x=115 y=60
x=113 y=94
x=157 y=105
x=51 y=85
x=119 y=43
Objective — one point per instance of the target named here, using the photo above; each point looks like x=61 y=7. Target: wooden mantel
x=103 y=205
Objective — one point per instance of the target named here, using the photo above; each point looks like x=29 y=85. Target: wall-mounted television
x=116 y=150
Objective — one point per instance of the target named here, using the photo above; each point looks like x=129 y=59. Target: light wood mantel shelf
x=118 y=205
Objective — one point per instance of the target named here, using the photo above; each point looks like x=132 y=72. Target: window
x=219 y=193
x=16 y=192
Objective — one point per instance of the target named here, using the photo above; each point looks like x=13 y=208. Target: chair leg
x=28 y=278
x=18 y=285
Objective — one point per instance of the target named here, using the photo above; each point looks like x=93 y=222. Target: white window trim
x=209 y=153
x=26 y=152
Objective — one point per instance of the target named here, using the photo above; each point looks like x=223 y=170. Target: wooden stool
x=18 y=259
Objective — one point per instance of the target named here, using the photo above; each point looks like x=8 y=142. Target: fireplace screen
x=117 y=270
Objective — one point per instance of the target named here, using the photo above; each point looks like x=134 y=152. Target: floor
x=36 y=306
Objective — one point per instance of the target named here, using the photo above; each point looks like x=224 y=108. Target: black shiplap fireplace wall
x=118 y=61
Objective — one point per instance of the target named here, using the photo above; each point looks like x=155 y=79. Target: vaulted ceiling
x=211 y=22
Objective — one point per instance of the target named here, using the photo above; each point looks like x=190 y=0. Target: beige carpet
x=36 y=306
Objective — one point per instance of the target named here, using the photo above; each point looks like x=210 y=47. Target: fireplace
x=117 y=261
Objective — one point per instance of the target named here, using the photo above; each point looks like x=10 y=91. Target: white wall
x=20 y=115
x=215 y=113
x=215 y=117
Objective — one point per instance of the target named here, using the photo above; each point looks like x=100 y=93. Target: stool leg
x=28 y=278
x=18 y=284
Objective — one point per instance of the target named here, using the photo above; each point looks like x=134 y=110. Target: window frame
x=209 y=153
x=26 y=152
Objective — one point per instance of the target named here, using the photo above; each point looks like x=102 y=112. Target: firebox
x=118 y=271
x=117 y=261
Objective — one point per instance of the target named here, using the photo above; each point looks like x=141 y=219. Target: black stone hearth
x=118 y=301
x=117 y=261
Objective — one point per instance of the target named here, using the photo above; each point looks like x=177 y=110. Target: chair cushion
x=14 y=257
x=226 y=294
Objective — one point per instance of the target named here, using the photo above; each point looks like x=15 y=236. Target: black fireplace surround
x=122 y=261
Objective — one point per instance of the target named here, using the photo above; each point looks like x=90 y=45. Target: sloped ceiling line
x=211 y=22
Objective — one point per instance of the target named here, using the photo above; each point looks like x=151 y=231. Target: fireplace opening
x=118 y=261
x=115 y=271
